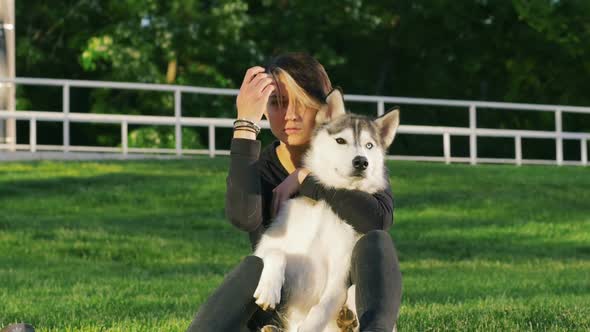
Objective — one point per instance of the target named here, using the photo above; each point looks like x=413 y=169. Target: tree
x=533 y=51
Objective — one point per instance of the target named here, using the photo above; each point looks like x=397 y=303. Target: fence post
x=559 y=139
x=9 y=134
x=211 y=140
x=518 y=149
x=380 y=107
x=33 y=135
x=472 y=136
x=584 y=151
x=177 y=126
x=66 y=112
x=9 y=70
x=124 y=135
x=447 y=147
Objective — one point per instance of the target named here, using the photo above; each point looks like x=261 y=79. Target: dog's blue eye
x=369 y=146
x=340 y=140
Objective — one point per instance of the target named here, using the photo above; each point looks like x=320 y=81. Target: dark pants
x=374 y=270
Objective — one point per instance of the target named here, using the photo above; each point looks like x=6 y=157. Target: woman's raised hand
x=254 y=93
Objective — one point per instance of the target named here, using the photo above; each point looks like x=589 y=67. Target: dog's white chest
x=313 y=229
x=313 y=246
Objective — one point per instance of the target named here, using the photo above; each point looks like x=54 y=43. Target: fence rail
x=178 y=121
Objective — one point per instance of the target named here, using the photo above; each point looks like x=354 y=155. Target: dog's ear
x=387 y=124
x=333 y=107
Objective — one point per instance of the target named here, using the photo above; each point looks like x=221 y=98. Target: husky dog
x=307 y=249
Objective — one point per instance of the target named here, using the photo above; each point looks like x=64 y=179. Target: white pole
x=124 y=141
x=559 y=140
x=472 y=137
x=518 y=149
x=447 y=147
x=33 y=135
x=211 y=140
x=584 y=151
x=3 y=72
x=8 y=127
x=380 y=108
x=66 y=121
x=177 y=127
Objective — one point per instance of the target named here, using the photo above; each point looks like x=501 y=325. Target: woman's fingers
x=283 y=192
x=267 y=91
x=277 y=200
x=263 y=83
x=251 y=74
x=254 y=83
x=280 y=200
x=259 y=83
x=273 y=211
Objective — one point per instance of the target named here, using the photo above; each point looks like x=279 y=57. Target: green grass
x=139 y=245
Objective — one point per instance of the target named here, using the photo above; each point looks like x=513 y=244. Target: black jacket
x=252 y=177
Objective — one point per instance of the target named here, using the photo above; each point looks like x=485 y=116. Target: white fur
x=317 y=256
x=307 y=249
x=325 y=159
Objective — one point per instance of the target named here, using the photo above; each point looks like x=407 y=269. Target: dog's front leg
x=268 y=292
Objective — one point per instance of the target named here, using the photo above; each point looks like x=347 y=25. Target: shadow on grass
x=451 y=295
x=97 y=184
x=182 y=206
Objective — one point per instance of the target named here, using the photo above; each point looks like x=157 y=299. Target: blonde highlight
x=296 y=94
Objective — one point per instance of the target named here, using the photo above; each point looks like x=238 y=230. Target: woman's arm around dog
x=364 y=212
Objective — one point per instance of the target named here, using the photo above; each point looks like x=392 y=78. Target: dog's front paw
x=268 y=292
x=270 y=328
x=347 y=321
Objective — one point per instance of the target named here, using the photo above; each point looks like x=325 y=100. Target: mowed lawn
x=139 y=245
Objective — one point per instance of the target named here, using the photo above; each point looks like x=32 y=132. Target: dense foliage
x=535 y=51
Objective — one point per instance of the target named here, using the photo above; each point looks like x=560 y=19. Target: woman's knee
x=373 y=250
x=251 y=266
x=253 y=261
x=376 y=235
x=376 y=240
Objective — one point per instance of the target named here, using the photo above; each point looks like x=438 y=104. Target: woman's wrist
x=245 y=128
x=247 y=134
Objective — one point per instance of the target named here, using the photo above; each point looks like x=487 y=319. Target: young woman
x=289 y=92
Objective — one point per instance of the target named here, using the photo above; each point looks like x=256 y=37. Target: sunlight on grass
x=139 y=245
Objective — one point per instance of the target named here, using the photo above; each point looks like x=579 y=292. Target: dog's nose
x=360 y=163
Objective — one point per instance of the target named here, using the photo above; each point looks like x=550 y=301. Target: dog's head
x=347 y=150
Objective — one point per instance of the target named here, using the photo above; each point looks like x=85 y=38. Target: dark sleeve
x=243 y=202
x=364 y=212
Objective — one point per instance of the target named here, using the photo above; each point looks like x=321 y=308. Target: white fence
x=178 y=121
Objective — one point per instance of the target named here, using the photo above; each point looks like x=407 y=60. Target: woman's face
x=289 y=125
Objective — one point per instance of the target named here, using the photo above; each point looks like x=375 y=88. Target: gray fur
x=358 y=123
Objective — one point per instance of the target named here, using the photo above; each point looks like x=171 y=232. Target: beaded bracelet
x=243 y=123
x=246 y=128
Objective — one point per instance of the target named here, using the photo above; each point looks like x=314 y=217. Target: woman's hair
x=305 y=79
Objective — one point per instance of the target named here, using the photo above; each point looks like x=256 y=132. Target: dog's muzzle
x=360 y=164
